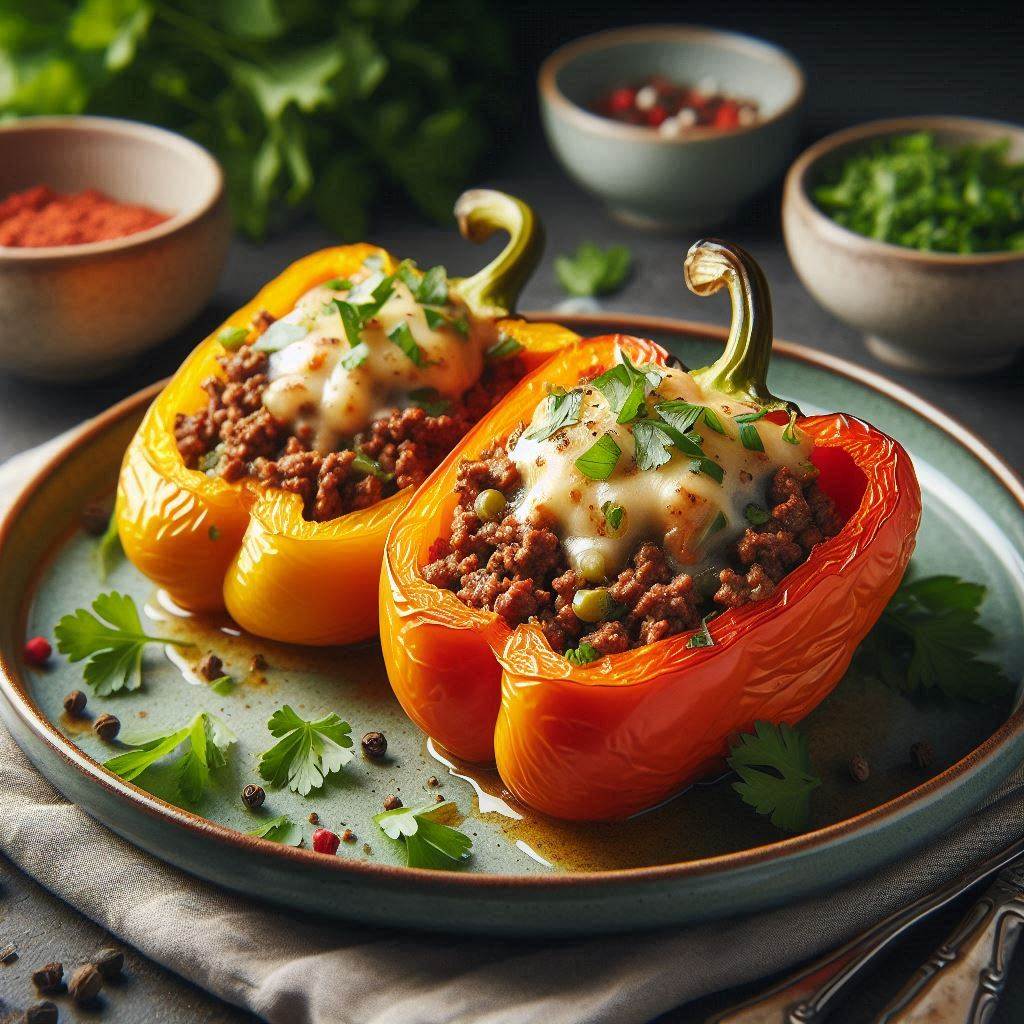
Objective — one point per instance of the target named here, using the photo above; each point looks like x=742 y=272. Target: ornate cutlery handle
x=963 y=979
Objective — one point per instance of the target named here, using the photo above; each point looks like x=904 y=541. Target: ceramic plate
x=702 y=855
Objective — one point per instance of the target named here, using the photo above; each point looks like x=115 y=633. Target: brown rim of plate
x=1011 y=729
x=547 y=83
x=18 y=254
x=795 y=187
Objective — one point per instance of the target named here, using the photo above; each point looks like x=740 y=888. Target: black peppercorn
x=49 y=977
x=375 y=745
x=432 y=782
x=859 y=768
x=74 y=703
x=42 y=1013
x=391 y=802
x=85 y=984
x=109 y=962
x=253 y=796
x=107 y=727
x=921 y=754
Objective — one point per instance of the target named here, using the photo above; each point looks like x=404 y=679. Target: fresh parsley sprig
x=776 y=775
x=110 y=642
x=563 y=410
x=598 y=461
x=625 y=387
x=306 y=752
x=205 y=742
x=278 y=830
x=592 y=270
x=930 y=640
x=428 y=843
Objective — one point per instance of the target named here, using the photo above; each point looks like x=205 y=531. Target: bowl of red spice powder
x=113 y=235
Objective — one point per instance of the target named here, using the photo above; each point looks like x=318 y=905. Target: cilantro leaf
x=428 y=843
x=776 y=775
x=307 y=752
x=679 y=414
x=278 y=830
x=110 y=642
x=598 y=461
x=402 y=337
x=206 y=740
x=593 y=271
x=652 y=445
x=108 y=549
x=563 y=410
x=505 y=346
x=929 y=639
x=625 y=388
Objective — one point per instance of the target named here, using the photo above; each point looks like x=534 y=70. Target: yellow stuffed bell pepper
x=246 y=547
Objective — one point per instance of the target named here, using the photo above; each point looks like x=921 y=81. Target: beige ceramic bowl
x=76 y=312
x=934 y=313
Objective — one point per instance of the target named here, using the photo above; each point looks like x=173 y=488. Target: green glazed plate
x=702 y=855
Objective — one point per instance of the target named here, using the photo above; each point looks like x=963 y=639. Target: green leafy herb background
x=335 y=106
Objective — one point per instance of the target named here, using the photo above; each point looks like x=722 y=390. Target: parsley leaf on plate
x=563 y=410
x=206 y=739
x=306 y=752
x=108 y=549
x=278 y=830
x=428 y=843
x=929 y=639
x=110 y=642
x=592 y=270
x=776 y=775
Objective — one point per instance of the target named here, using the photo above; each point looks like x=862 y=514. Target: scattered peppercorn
x=314 y=818
x=859 y=768
x=439 y=799
x=325 y=841
x=95 y=518
x=375 y=745
x=85 y=984
x=8 y=953
x=74 y=703
x=349 y=836
x=37 y=651
x=258 y=663
x=391 y=802
x=109 y=962
x=921 y=754
x=367 y=848
x=107 y=727
x=210 y=667
x=49 y=977
x=253 y=796
x=432 y=782
x=42 y=1013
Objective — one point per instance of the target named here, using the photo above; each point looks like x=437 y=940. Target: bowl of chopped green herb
x=912 y=231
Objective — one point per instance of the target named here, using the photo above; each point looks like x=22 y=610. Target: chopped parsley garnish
x=435 y=319
x=432 y=289
x=206 y=740
x=338 y=284
x=582 y=655
x=703 y=637
x=598 y=461
x=719 y=522
x=213 y=532
x=505 y=346
x=402 y=337
x=108 y=549
x=429 y=400
x=351 y=320
x=756 y=514
x=563 y=410
x=306 y=752
x=362 y=463
x=752 y=417
x=593 y=271
x=679 y=414
x=708 y=466
x=652 y=444
x=776 y=775
x=929 y=640
x=789 y=435
x=233 y=338
x=356 y=356
x=278 y=830
x=749 y=437
x=223 y=685
x=279 y=335
x=625 y=387
x=613 y=514
x=111 y=643
x=712 y=421
x=428 y=843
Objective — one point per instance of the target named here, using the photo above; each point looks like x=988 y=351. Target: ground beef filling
x=520 y=571
x=238 y=437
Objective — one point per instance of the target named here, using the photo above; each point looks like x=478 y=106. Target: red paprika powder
x=39 y=216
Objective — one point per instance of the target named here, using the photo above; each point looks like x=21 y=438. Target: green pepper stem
x=493 y=291
x=741 y=371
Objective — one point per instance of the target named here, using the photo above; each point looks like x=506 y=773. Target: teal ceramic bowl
x=690 y=182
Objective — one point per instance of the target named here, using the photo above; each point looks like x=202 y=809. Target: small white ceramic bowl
x=936 y=313
x=688 y=182
x=76 y=312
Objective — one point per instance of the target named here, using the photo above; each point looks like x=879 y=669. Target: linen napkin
x=295 y=970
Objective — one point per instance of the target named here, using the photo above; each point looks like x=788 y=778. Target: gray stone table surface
x=32 y=412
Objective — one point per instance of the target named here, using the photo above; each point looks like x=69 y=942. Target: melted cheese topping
x=671 y=505
x=310 y=386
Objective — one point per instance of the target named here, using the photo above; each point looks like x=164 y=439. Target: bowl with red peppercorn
x=673 y=126
x=112 y=237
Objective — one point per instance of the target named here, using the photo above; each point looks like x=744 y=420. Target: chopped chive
x=598 y=461
x=233 y=338
x=750 y=438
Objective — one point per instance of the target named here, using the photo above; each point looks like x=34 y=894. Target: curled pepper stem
x=493 y=291
x=741 y=371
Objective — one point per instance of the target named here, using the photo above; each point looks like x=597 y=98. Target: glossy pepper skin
x=246 y=547
x=606 y=740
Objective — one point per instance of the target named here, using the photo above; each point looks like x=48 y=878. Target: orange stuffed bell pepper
x=276 y=559
x=581 y=733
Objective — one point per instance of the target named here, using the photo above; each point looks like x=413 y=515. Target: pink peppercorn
x=325 y=841
x=622 y=100
x=38 y=650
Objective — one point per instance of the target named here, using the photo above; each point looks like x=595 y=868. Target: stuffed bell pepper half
x=267 y=473
x=625 y=563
